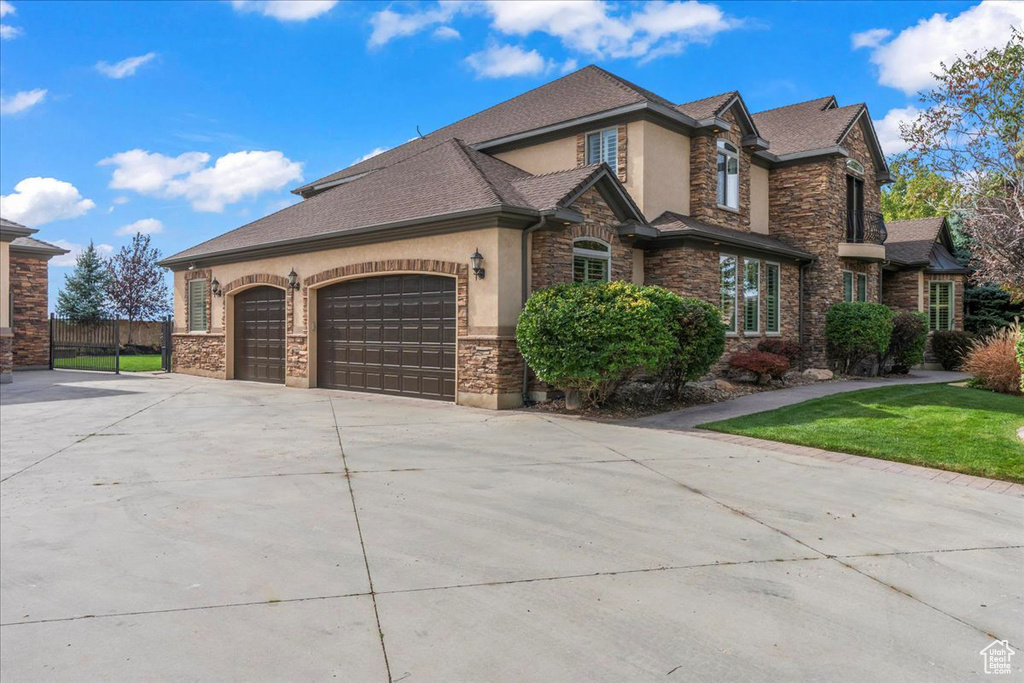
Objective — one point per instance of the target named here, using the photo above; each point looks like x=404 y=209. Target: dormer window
x=603 y=146
x=728 y=175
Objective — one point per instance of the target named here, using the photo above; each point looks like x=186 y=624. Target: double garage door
x=393 y=335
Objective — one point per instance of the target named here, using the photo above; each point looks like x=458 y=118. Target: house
x=405 y=273
x=921 y=274
x=24 y=324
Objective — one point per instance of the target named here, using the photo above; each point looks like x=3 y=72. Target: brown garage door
x=393 y=335
x=259 y=334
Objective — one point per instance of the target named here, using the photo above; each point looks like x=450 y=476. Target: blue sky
x=189 y=119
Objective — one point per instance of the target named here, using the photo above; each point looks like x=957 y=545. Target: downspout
x=526 y=291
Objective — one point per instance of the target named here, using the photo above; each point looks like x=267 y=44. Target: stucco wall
x=758 y=199
x=5 y=284
x=547 y=157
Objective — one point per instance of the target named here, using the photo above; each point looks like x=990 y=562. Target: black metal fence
x=85 y=346
x=166 y=345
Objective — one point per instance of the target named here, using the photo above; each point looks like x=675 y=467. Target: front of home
x=405 y=273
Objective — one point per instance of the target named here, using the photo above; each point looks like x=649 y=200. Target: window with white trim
x=855 y=286
x=773 y=312
x=591 y=260
x=727 y=286
x=751 y=295
x=940 y=306
x=603 y=146
x=728 y=166
x=197 y=305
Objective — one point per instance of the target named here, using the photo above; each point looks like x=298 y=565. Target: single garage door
x=392 y=335
x=259 y=335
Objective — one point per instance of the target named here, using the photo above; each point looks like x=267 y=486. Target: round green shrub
x=590 y=337
x=701 y=337
x=906 y=345
x=854 y=331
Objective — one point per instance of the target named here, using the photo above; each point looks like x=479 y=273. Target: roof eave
x=690 y=232
x=39 y=251
x=9 y=233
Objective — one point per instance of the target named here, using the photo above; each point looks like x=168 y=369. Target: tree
x=918 y=192
x=136 y=284
x=83 y=298
x=972 y=133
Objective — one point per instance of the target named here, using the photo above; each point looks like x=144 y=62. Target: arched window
x=728 y=175
x=591 y=260
x=854 y=166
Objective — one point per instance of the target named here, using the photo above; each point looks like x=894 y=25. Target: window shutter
x=197 y=305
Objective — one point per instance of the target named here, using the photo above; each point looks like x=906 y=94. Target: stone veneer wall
x=6 y=356
x=30 y=323
x=691 y=272
x=900 y=290
x=551 y=254
x=806 y=206
x=704 y=178
x=199 y=354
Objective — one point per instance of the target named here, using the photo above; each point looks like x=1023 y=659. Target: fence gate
x=165 y=345
x=84 y=346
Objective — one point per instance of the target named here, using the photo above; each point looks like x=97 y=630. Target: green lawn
x=145 y=363
x=934 y=425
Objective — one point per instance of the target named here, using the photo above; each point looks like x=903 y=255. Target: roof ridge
x=709 y=97
x=859 y=109
x=531 y=176
x=643 y=92
x=795 y=104
x=481 y=175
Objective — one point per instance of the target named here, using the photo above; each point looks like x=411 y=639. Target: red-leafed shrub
x=993 y=361
x=765 y=365
x=790 y=350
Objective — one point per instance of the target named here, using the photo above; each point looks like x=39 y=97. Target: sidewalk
x=688 y=418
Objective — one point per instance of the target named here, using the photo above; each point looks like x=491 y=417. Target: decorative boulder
x=818 y=374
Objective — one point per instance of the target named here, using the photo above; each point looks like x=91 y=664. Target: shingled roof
x=921 y=242
x=805 y=126
x=444 y=180
x=671 y=224
x=706 y=107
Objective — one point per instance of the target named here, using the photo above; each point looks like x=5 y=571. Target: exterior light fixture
x=293 y=279
x=477 y=260
x=192 y=266
x=215 y=287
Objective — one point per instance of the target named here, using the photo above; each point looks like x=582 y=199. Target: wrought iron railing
x=865 y=227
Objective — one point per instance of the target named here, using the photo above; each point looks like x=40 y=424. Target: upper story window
x=728 y=175
x=197 y=305
x=591 y=260
x=603 y=146
x=854 y=166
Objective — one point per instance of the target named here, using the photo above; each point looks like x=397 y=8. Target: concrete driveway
x=168 y=527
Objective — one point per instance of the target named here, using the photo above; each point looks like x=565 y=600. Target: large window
x=604 y=146
x=197 y=305
x=728 y=266
x=771 y=298
x=855 y=286
x=751 y=295
x=728 y=175
x=940 y=306
x=591 y=260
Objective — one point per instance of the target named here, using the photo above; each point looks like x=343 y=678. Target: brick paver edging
x=940 y=476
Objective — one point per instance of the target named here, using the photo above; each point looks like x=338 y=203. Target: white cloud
x=22 y=101
x=8 y=32
x=126 y=67
x=446 y=33
x=121 y=199
x=888 y=129
x=40 y=200
x=74 y=250
x=147 y=226
x=870 y=38
x=908 y=61
x=232 y=177
x=501 y=61
x=591 y=27
x=6 y=8
x=285 y=10
x=372 y=153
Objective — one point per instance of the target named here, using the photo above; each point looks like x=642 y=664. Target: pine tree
x=83 y=298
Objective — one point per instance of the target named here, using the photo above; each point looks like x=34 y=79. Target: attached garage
x=259 y=334
x=393 y=335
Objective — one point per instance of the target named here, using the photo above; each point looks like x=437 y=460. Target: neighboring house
x=921 y=274
x=24 y=327
x=370 y=283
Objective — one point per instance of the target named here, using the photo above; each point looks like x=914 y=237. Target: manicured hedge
x=700 y=332
x=906 y=345
x=855 y=331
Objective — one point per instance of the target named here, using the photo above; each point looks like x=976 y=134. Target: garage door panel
x=259 y=334
x=391 y=334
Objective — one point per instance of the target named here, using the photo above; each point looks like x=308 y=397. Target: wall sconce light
x=215 y=287
x=293 y=279
x=477 y=260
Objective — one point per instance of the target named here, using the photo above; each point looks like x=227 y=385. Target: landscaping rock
x=723 y=385
x=818 y=374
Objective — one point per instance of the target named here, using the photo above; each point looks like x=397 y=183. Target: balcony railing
x=865 y=227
